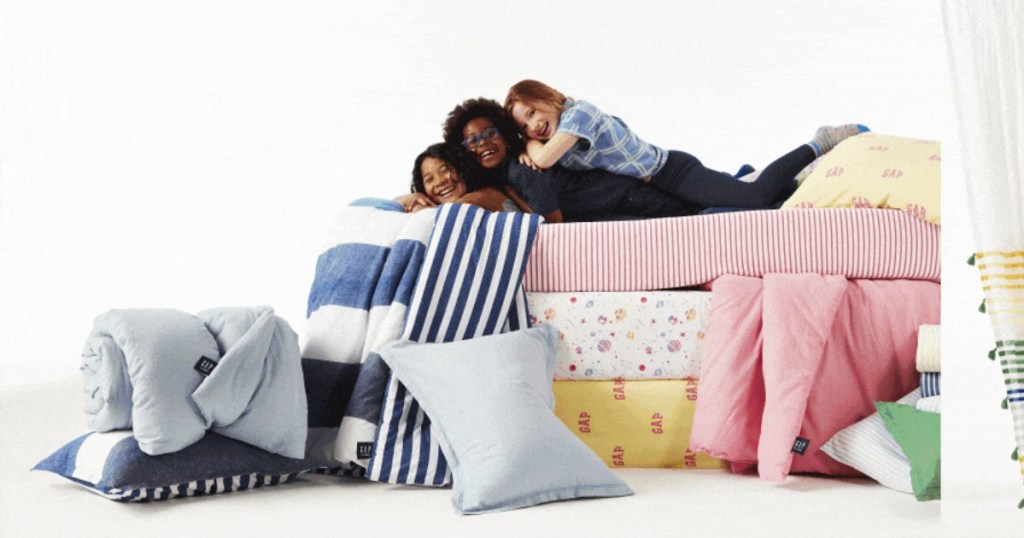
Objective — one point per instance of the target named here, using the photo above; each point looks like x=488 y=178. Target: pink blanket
x=791 y=359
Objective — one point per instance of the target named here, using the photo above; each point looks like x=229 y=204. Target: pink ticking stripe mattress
x=688 y=251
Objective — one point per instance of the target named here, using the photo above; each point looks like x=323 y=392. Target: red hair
x=534 y=91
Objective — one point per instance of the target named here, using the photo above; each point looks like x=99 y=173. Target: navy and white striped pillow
x=469 y=286
x=196 y=488
x=112 y=465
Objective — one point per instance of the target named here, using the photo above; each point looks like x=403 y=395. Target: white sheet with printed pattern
x=628 y=335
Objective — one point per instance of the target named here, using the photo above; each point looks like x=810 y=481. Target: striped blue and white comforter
x=361 y=289
x=392 y=276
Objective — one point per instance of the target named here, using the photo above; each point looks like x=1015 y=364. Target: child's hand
x=524 y=158
x=415 y=201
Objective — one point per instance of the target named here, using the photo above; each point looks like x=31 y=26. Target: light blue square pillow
x=490 y=402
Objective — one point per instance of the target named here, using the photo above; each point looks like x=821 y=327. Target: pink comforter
x=803 y=356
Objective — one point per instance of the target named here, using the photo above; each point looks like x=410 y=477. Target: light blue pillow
x=490 y=403
x=169 y=376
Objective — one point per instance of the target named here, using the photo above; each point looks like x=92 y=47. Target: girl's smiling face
x=538 y=120
x=441 y=182
x=489 y=151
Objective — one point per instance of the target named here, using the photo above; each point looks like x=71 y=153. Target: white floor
x=35 y=420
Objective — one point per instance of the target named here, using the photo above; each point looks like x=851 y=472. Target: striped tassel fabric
x=1002 y=278
x=1011 y=360
x=985 y=47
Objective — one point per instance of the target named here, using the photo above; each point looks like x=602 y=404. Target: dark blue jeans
x=686 y=178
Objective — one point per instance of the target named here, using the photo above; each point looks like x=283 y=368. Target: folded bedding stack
x=929 y=364
x=170 y=376
x=185 y=405
x=626 y=372
x=899 y=445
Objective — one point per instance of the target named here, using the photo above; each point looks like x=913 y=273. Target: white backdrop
x=188 y=154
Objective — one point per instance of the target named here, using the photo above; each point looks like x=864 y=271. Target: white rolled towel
x=929 y=348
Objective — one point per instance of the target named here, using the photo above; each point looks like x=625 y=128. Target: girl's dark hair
x=457 y=157
x=482 y=107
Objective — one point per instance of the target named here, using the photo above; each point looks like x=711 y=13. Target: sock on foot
x=827 y=137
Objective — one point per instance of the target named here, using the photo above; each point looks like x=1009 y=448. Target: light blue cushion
x=490 y=403
x=139 y=373
x=170 y=376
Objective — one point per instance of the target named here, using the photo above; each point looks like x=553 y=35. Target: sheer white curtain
x=986 y=51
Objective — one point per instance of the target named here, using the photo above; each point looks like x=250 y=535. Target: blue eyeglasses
x=477 y=139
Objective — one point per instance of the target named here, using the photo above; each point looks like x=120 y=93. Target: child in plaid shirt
x=577 y=135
